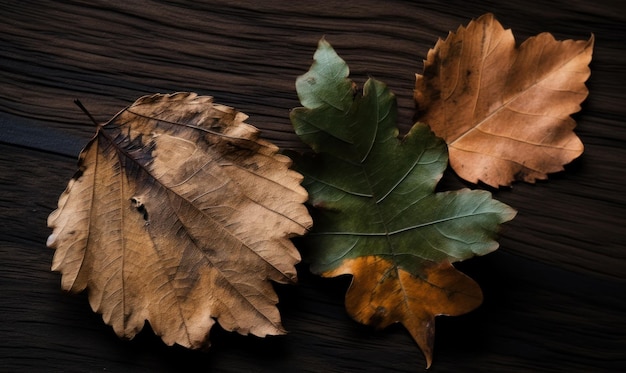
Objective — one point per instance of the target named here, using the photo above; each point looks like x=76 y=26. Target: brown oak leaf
x=180 y=215
x=504 y=111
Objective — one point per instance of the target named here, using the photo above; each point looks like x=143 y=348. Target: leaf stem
x=84 y=109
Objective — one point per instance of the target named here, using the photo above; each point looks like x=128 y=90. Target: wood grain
x=554 y=292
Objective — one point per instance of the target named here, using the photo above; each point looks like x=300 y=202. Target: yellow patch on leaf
x=381 y=294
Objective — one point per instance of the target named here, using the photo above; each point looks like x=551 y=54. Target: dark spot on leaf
x=78 y=174
x=378 y=317
x=136 y=201
x=520 y=175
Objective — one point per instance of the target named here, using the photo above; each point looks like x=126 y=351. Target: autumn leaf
x=504 y=111
x=377 y=216
x=180 y=215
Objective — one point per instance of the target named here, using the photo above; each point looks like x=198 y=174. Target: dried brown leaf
x=504 y=111
x=179 y=215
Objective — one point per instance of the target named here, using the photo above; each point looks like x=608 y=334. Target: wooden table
x=554 y=292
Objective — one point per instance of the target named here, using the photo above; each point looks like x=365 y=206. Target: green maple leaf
x=375 y=210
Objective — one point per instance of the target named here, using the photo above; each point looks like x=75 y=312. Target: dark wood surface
x=554 y=292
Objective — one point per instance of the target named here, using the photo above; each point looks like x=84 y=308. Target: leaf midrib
x=398 y=231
